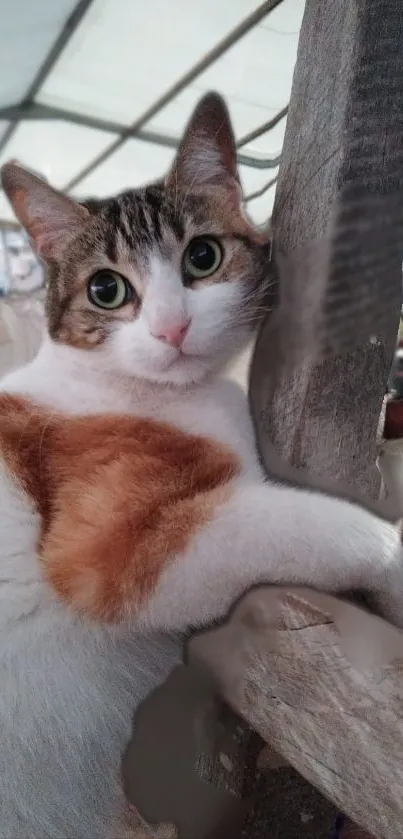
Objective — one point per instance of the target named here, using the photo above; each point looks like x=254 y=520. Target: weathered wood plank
x=322 y=681
x=322 y=360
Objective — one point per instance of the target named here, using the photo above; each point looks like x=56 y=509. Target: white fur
x=67 y=696
x=204 y=164
x=69 y=688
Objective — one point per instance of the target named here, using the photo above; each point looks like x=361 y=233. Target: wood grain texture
x=319 y=375
x=322 y=361
x=321 y=681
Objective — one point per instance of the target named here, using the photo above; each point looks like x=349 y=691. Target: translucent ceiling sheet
x=127 y=53
x=260 y=209
x=28 y=30
x=123 y=56
x=56 y=149
x=285 y=18
x=134 y=164
x=255 y=76
x=268 y=144
x=253 y=179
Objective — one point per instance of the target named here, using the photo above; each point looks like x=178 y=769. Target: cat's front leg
x=263 y=533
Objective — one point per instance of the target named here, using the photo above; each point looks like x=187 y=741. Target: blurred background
x=94 y=96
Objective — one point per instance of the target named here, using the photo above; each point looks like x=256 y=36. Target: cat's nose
x=174 y=335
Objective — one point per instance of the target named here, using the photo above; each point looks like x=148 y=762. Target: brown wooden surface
x=322 y=361
x=319 y=375
x=322 y=682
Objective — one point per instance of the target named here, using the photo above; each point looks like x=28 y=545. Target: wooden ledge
x=321 y=680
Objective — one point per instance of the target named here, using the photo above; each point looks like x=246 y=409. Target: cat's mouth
x=181 y=358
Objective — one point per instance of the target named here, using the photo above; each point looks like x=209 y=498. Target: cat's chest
x=219 y=412
x=218 y=409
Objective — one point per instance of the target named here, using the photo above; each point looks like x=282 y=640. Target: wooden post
x=321 y=364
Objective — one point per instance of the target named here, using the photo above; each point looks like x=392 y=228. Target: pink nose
x=174 y=335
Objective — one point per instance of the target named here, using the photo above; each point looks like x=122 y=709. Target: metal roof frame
x=28 y=108
x=53 y=55
x=45 y=112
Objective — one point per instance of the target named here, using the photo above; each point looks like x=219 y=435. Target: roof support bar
x=52 y=57
x=35 y=111
x=245 y=26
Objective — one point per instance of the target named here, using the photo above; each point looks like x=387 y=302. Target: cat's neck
x=74 y=380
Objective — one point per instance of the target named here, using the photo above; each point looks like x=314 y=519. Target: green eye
x=203 y=257
x=109 y=290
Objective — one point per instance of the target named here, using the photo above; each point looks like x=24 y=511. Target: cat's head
x=164 y=282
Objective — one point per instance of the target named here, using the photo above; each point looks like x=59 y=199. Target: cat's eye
x=203 y=257
x=109 y=290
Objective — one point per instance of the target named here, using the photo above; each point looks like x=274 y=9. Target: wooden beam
x=322 y=360
x=322 y=682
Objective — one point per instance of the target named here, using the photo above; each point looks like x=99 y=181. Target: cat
x=133 y=505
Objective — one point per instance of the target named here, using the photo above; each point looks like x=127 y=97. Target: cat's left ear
x=207 y=153
x=50 y=218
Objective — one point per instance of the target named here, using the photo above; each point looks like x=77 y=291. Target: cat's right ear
x=50 y=218
x=207 y=152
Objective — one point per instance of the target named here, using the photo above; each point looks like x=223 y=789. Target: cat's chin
x=184 y=370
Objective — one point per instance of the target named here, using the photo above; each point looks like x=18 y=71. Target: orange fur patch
x=118 y=497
